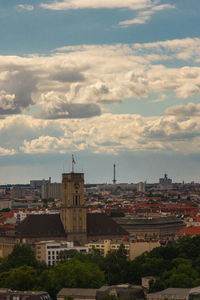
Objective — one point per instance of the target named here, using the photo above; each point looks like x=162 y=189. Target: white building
x=48 y=251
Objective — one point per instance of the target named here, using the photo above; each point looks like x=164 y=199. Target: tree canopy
x=175 y=265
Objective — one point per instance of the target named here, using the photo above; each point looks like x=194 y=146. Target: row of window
x=52 y=257
x=102 y=246
x=53 y=252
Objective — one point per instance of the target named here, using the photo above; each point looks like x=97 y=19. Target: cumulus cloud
x=67 y=75
x=25 y=7
x=17 y=84
x=183 y=49
x=6 y=102
x=69 y=111
x=104 y=134
x=6 y=152
x=75 y=82
x=189 y=110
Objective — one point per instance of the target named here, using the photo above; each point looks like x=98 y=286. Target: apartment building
x=49 y=251
x=133 y=249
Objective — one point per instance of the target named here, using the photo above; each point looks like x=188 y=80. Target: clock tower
x=73 y=210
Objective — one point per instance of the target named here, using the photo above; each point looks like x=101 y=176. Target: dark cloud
x=110 y=101
x=68 y=75
x=20 y=85
x=69 y=111
x=189 y=110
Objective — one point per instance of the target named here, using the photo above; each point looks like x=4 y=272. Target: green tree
x=72 y=274
x=21 y=255
x=115 y=266
x=22 y=278
x=180 y=281
x=68 y=254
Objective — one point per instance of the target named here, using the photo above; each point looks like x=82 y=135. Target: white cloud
x=144 y=15
x=80 y=4
x=183 y=49
x=104 y=134
x=6 y=152
x=146 y=8
x=25 y=7
x=77 y=83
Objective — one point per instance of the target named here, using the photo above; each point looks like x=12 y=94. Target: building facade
x=49 y=251
x=73 y=210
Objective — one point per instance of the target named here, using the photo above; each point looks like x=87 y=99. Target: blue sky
x=115 y=81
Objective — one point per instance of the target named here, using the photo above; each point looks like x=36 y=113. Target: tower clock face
x=76 y=186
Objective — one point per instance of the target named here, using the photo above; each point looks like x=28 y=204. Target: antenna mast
x=114 y=174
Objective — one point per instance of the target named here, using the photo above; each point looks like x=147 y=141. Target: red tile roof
x=189 y=231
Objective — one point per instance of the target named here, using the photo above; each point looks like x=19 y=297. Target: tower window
x=76 y=200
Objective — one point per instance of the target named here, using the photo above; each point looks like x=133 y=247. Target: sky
x=107 y=81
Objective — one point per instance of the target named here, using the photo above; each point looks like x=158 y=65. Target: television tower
x=114 y=174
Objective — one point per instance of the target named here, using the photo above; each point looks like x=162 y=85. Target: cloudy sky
x=108 y=81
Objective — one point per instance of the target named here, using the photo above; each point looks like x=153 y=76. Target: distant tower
x=114 y=174
x=73 y=210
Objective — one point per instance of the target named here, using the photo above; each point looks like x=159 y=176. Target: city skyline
x=110 y=81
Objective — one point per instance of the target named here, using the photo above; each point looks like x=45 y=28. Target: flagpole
x=72 y=163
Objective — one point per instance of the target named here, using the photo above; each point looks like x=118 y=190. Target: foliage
x=115 y=266
x=175 y=265
x=22 y=278
x=21 y=255
x=72 y=274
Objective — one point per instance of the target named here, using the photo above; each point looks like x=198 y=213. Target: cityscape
x=62 y=221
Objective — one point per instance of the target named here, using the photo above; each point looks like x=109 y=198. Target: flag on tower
x=73 y=160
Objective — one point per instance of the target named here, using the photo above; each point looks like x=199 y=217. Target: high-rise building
x=141 y=187
x=51 y=190
x=73 y=210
